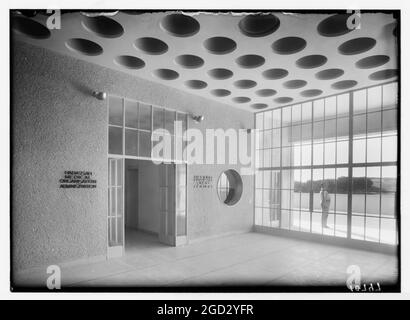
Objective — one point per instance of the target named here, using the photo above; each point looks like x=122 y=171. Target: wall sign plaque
x=203 y=182
x=78 y=179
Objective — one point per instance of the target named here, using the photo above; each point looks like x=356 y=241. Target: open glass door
x=115 y=207
x=173 y=229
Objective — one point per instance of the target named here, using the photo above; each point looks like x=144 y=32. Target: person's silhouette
x=325 y=204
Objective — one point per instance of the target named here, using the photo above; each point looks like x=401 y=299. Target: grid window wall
x=346 y=142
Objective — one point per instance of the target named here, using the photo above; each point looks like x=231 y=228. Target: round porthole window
x=230 y=187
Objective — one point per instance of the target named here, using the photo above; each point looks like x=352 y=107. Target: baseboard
x=220 y=235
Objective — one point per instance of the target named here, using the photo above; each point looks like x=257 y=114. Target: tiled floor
x=245 y=259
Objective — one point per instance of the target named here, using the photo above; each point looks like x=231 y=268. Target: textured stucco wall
x=58 y=126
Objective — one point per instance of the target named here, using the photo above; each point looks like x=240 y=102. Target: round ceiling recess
x=30 y=28
x=357 y=46
x=294 y=84
x=220 y=73
x=311 y=93
x=383 y=74
x=345 y=84
x=189 y=61
x=84 y=46
x=103 y=26
x=250 y=61
x=196 y=84
x=241 y=99
x=289 y=45
x=166 y=74
x=265 y=92
x=220 y=92
x=312 y=61
x=259 y=106
x=274 y=74
x=180 y=25
x=151 y=45
x=259 y=25
x=283 y=100
x=329 y=74
x=372 y=62
x=244 y=84
x=334 y=26
x=129 y=62
x=220 y=45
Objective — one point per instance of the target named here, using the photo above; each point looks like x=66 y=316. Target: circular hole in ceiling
x=30 y=28
x=241 y=99
x=244 y=84
x=220 y=73
x=356 y=46
x=383 y=74
x=220 y=45
x=312 y=61
x=274 y=74
x=294 y=84
x=220 y=92
x=189 y=61
x=265 y=92
x=103 y=26
x=151 y=45
x=166 y=74
x=289 y=45
x=196 y=84
x=259 y=106
x=334 y=26
x=372 y=62
x=180 y=25
x=259 y=25
x=344 y=84
x=283 y=99
x=250 y=61
x=311 y=93
x=84 y=46
x=329 y=74
x=129 y=62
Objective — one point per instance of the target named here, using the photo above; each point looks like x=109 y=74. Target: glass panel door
x=167 y=230
x=115 y=207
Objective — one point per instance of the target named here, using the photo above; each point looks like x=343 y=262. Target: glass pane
x=306 y=152
x=373 y=204
x=372 y=229
x=342 y=189
x=284 y=219
x=119 y=172
x=286 y=199
x=169 y=121
x=286 y=179
x=359 y=150
x=258 y=216
x=374 y=98
x=307 y=112
x=295 y=202
x=286 y=136
x=294 y=220
x=305 y=221
x=258 y=197
x=357 y=228
x=359 y=126
x=341 y=226
x=388 y=233
x=359 y=101
x=144 y=144
x=144 y=116
x=389 y=145
x=330 y=153
x=115 y=111
x=258 y=179
x=390 y=93
x=158 y=118
x=390 y=121
x=317 y=222
x=342 y=152
x=267 y=158
x=276 y=138
x=307 y=133
x=318 y=109
x=374 y=123
x=183 y=119
x=115 y=140
x=389 y=179
x=343 y=105
x=267 y=120
x=374 y=150
x=343 y=128
x=286 y=157
x=276 y=118
x=296 y=113
x=318 y=154
x=131 y=142
x=259 y=121
x=330 y=129
x=318 y=130
x=131 y=114
x=267 y=139
x=286 y=116
x=275 y=158
x=330 y=107
x=296 y=131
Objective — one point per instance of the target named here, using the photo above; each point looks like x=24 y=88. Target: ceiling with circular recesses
x=251 y=61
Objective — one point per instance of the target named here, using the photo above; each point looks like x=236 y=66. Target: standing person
x=325 y=204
